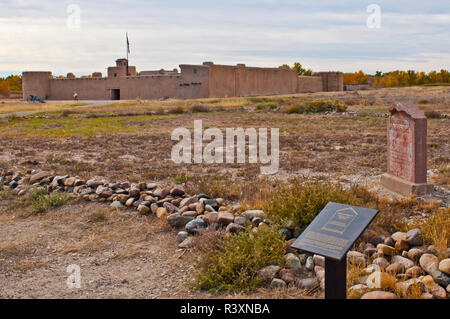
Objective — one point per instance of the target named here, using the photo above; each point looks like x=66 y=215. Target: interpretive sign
x=331 y=234
x=334 y=230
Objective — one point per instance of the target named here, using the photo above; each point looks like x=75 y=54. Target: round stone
x=414 y=237
x=176 y=191
x=278 y=283
x=429 y=263
x=444 y=266
x=405 y=262
x=240 y=220
x=143 y=209
x=285 y=233
x=195 y=225
x=382 y=262
x=292 y=261
x=358 y=289
x=319 y=260
x=398 y=236
x=438 y=292
x=225 y=218
x=161 y=213
x=440 y=278
x=268 y=273
x=116 y=204
x=309 y=264
x=356 y=258
x=175 y=220
x=379 y=295
x=308 y=283
x=181 y=236
x=401 y=245
x=395 y=268
x=414 y=272
x=386 y=250
x=415 y=253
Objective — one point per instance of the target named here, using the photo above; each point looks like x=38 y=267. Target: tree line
x=399 y=78
x=10 y=84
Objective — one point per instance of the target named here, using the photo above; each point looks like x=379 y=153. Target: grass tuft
x=233 y=265
x=317 y=106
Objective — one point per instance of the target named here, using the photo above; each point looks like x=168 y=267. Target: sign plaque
x=331 y=234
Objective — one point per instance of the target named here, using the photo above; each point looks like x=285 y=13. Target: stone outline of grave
x=324 y=227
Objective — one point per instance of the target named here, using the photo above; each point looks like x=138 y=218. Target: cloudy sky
x=323 y=35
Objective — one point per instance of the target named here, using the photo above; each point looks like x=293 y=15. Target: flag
x=128 y=44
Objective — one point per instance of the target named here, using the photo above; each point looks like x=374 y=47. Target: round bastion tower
x=36 y=83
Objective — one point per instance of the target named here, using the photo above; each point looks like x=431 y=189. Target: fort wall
x=331 y=81
x=265 y=81
x=222 y=81
x=309 y=84
x=87 y=89
x=144 y=87
x=194 y=81
x=36 y=83
x=226 y=80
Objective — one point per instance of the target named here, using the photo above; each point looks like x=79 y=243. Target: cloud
x=323 y=35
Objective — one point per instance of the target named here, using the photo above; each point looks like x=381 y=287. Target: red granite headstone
x=407 y=151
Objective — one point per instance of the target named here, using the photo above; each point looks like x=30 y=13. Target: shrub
x=176 y=110
x=6 y=194
x=300 y=203
x=317 y=106
x=435 y=229
x=199 y=108
x=260 y=106
x=433 y=114
x=41 y=201
x=234 y=265
x=272 y=105
x=183 y=178
x=97 y=216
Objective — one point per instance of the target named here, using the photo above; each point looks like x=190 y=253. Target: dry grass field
x=126 y=255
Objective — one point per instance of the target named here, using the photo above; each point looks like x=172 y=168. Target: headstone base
x=404 y=187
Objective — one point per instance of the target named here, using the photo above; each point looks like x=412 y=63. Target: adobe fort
x=194 y=81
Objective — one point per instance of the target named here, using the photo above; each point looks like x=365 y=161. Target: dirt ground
x=123 y=255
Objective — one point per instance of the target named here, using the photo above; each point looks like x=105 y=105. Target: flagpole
x=127 y=56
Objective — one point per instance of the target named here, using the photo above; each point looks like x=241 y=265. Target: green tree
x=300 y=70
